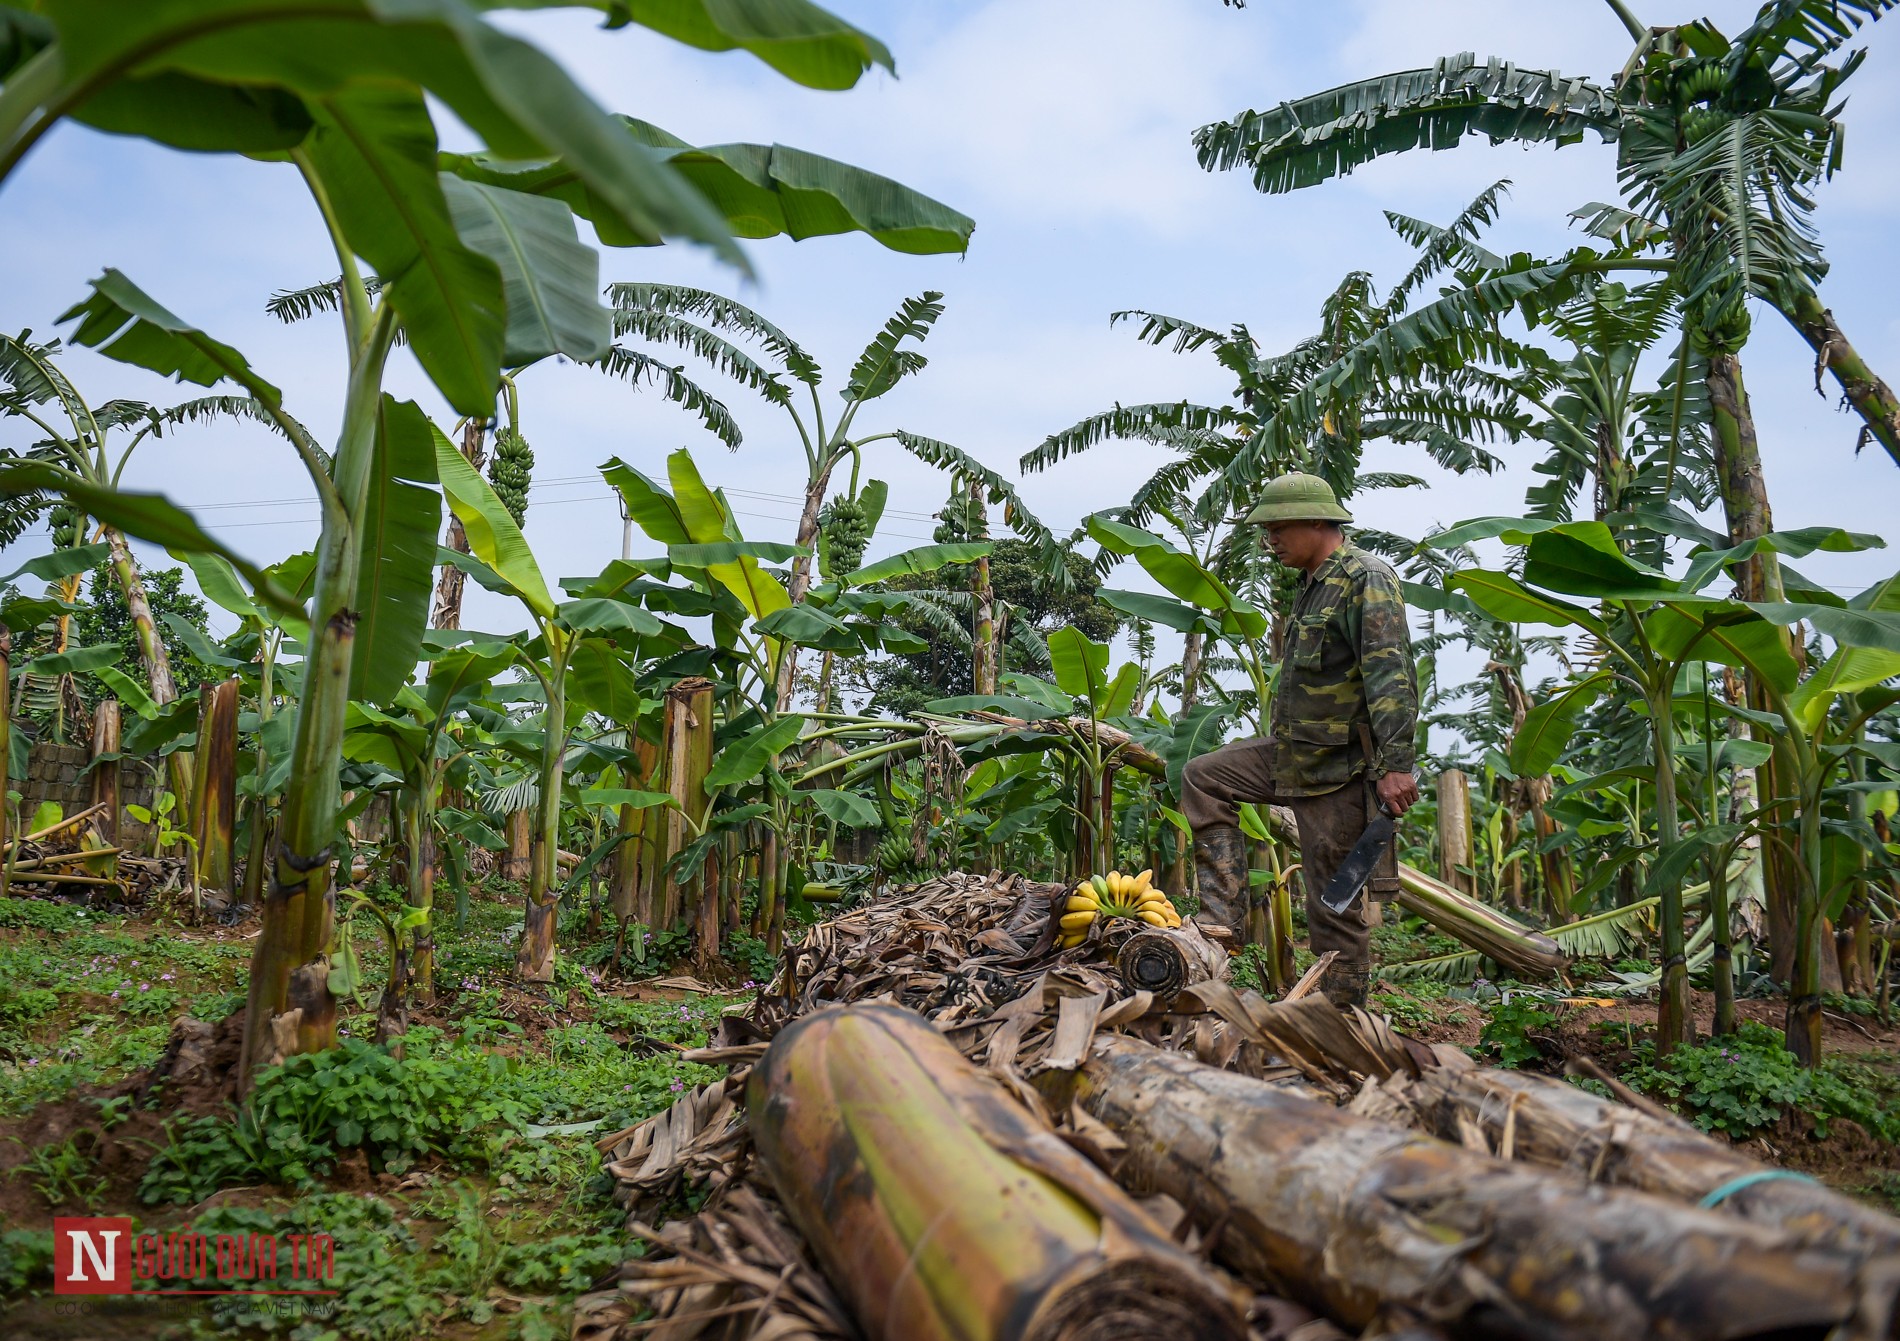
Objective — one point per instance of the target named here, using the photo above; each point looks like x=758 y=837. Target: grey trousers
x=1213 y=787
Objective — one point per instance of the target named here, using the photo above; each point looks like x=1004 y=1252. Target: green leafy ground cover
x=454 y=1211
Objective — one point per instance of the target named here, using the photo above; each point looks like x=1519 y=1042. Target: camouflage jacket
x=1347 y=663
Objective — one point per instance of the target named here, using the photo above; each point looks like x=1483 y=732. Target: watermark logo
x=92 y=1254
x=101 y=1255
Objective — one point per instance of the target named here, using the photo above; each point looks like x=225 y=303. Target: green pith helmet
x=1297 y=498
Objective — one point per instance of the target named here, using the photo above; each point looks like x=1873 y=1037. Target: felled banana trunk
x=1517 y=947
x=1163 y=960
x=942 y=1211
x=1369 y=1222
x=1552 y=1123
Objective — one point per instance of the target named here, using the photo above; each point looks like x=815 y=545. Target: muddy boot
x=1345 y=984
x=1220 y=872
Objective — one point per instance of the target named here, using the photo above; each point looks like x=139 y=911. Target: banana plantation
x=1300 y=890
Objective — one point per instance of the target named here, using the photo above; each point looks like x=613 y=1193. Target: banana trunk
x=1163 y=960
x=105 y=776
x=686 y=744
x=1555 y=1124
x=1368 y=1222
x=942 y=1211
x=1517 y=947
x=214 y=809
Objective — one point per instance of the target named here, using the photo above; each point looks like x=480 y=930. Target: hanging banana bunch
x=844 y=532
x=64 y=522
x=512 y=471
x=1114 y=895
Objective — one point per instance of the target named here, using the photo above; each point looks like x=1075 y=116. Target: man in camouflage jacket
x=1340 y=735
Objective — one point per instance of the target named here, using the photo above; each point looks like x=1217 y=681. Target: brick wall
x=58 y=773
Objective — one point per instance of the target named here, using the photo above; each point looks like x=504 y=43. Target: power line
x=557 y=482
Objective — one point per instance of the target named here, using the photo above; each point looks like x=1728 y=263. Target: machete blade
x=1353 y=872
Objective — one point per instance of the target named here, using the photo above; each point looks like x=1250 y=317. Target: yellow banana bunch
x=1114 y=895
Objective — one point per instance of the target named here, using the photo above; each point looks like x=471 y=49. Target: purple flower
x=145 y=987
x=115 y=996
x=676 y=1086
x=165 y=977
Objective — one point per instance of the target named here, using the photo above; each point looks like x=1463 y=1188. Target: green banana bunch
x=846 y=534
x=512 y=472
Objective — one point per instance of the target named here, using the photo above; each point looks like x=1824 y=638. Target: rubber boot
x=1345 y=984
x=1220 y=872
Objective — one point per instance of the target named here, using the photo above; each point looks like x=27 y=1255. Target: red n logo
x=92 y=1254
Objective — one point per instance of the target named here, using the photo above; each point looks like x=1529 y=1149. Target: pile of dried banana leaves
x=940 y=1124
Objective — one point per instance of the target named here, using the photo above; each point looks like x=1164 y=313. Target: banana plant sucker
x=534 y=959
x=1816 y=756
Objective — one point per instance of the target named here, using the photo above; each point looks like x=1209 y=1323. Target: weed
x=88 y=1055
x=113 y=1111
x=1248 y=969
x=1883 y=1188
x=1403 y=1010
x=149 y=1002
x=448 y=1099
x=26 y=1260
x=377 y=1261
x=1507 y=1029
x=21 y=1008
x=1864 y=1006
x=42 y=915
x=750 y=953
x=1745 y=1082
x=63 y=1174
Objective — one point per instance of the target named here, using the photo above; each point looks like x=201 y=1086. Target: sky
x=1063 y=130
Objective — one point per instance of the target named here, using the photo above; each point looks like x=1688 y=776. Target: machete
x=1354 y=871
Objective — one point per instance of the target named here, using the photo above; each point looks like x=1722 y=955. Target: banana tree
x=468 y=264
x=419 y=739
x=578 y=654
x=762 y=191
x=701 y=322
x=255 y=652
x=1198 y=604
x=93 y=445
x=756 y=629
x=1438 y=401
x=1650 y=627
x=1719 y=142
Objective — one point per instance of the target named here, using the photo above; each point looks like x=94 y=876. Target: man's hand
x=1398 y=792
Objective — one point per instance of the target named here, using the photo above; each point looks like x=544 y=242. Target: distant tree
x=1025 y=597
x=107 y=619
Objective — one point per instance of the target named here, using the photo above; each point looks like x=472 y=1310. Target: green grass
x=501 y=1221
